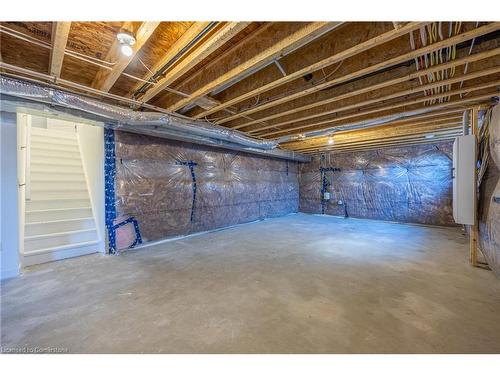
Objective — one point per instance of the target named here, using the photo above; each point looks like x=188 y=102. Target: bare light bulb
x=126 y=50
x=330 y=141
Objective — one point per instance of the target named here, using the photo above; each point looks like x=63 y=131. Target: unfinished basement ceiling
x=294 y=82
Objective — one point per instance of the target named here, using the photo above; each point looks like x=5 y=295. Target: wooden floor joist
x=377 y=133
x=105 y=79
x=371 y=43
x=326 y=123
x=301 y=83
x=403 y=143
x=382 y=99
x=204 y=50
x=388 y=127
x=482 y=30
x=292 y=42
x=372 y=88
x=60 y=33
x=452 y=129
x=180 y=44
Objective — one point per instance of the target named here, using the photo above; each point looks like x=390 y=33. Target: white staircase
x=59 y=222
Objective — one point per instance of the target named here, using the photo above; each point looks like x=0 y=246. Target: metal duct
x=18 y=94
x=120 y=116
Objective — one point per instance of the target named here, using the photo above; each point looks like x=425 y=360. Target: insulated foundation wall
x=406 y=184
x=489 y=199
x=174 y=188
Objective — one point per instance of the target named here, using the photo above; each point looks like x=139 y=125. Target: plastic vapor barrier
x=406 y=184
x=173 y=188
x=489 y=198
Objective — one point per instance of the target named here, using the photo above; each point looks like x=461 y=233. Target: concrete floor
x=296 y=284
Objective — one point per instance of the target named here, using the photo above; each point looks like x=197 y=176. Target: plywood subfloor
x=296 y=284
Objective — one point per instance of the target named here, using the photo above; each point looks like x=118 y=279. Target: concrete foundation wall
x=174 y=188
x=406 y=184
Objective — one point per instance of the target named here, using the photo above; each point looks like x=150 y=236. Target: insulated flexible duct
x=120 y=116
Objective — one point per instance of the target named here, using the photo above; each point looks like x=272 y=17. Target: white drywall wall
x=91 y=140
x=9 y=218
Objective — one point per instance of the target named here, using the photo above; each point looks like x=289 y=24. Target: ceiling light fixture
x=330 y=141
x=126 y=50
x=126 y=40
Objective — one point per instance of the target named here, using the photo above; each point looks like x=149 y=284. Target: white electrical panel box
x=464 y=159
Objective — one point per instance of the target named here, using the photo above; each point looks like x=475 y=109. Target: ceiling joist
x=297 y=38
x=60 y=33
x=105 y=79
x=482 y=30
x=204 y=50
x=305 y=84
x=371 y=43
x=382 y=99
x=371 y=88
x=403 y=104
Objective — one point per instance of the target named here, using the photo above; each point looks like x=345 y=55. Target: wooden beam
x=482 y=30
x=436 y=118
x=298 y=39
x=371 y=43
x=451 y=128
x=375 y=87
x=395 y=141
x=105 y=79
x=384 y=145
x=60 y=32
x=201 y=52
x=389 y=107
x=195 y=29
x=377 y=132
x=381 y=99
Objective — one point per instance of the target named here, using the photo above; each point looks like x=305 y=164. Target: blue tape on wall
x=324 y=184
x=135 y=223
x=191 y=164
x=109 y=194
x=109 y=186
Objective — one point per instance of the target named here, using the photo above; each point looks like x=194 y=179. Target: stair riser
x=59 y=240
x=61 y=128
x=35 y=194
x=54 y=143
x=44 y=257
x=57 y=177
x=55 y=161
x=78 y=213
x=33 y=205
x=46 y=144
x=58 y=227
x=54 y=168
x=59 y=185
x=40 y=153
x=47 y=133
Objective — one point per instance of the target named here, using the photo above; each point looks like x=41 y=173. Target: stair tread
x=62 y=247
x=55 y=234
x=59 y=220
x=58 y=209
